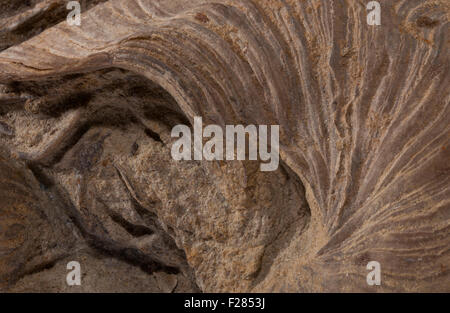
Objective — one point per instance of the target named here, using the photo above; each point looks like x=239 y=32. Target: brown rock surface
x=86 y=172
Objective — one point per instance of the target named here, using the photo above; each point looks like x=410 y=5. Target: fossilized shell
x=363 y=114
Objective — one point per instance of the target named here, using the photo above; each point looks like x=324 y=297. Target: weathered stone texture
x=85 y=120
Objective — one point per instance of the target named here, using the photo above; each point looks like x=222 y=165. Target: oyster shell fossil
x=364 y=135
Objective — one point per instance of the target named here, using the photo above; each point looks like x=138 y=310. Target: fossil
x=364 y=138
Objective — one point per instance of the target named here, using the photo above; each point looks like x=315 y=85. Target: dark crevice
x=44 y=181
x=155 y=136
x=133 y=256
x=65 y=103
x=132 y=229
x=41 y=267
x=68 y=144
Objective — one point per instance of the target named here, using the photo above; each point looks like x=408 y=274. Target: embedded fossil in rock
x=364 y=134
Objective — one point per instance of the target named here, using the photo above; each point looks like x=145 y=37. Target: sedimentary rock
x=364 y=132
